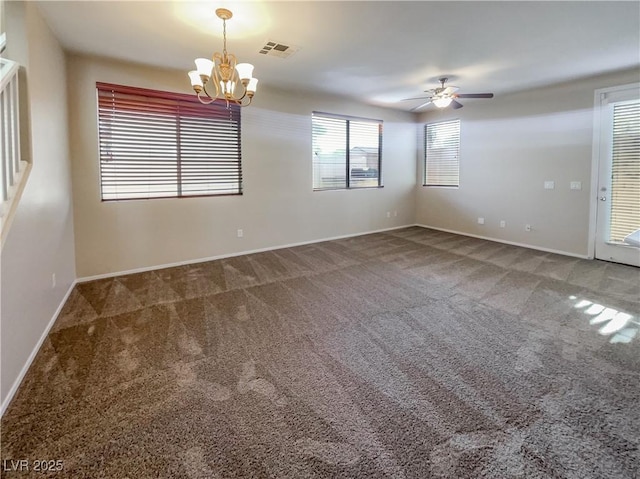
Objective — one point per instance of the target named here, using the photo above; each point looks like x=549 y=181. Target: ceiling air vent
x=277 y=49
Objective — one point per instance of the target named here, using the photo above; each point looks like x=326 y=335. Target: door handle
x=603 y=198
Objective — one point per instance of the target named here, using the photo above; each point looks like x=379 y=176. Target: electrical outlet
x=480 y=221
x=240 y=233
x=527 y=227
x=53 y=280
x=575 y=185
x=549 y=185
x=388 y=214
x=503 y=223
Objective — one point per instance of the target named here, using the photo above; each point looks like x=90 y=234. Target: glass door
x=618 y=190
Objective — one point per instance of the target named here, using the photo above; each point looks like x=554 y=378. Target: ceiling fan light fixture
x=443 y=96
x=442 y=102
x=225 y=73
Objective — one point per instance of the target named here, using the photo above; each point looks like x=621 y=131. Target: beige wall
x=278 y=206
x=510 y=146
x=40 y=241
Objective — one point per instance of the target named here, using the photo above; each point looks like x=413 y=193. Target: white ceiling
x=376 y=52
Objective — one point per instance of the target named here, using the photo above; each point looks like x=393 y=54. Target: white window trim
x=380 y=145
x=423 y=180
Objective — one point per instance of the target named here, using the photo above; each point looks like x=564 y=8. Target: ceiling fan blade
x=417 y=98
x=420 y=106
x=455 y=105
x=474 y=95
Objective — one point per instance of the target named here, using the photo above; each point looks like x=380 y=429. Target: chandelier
x=233 y=81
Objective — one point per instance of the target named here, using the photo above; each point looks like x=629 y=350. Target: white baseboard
x=512 y=243
x=231 y=255
x=34 y=352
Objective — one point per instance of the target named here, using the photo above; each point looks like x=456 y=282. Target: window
x=625 y=170
x=347 y=152
x=155 y=144
x=442 y=154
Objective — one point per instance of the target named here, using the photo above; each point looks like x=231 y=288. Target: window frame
x=348 y=119
x=426 y=151
x=192 y=108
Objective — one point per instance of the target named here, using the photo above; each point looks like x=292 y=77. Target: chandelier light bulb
x=204 y=66
x=245 y=71
x=228 y=87
x=251 y=87
x=196 y=80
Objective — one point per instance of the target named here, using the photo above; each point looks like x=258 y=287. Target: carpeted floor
x=408 y=354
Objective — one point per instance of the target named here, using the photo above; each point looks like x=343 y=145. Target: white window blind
x=156 y=144
x=346 y=152
x=442 y=153
x=625 y=170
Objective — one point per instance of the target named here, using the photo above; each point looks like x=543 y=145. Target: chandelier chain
x=224 y=37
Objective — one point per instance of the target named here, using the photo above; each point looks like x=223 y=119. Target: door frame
x=599 y=96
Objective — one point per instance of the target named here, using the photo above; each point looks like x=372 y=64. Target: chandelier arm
x=239 y=84
x=217 y=95
x=245 y=100
x=205 y=101
x=232 y=61
x=215 y=77
x=204 y=88
x=240 y=101
x=240 y=98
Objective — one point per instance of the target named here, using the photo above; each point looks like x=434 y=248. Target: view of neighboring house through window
x=442 y=153
x=155 y=144
x=346 y=152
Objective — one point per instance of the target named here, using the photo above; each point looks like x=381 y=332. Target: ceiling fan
x=443 y=96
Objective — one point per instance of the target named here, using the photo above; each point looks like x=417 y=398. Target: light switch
x=549 y=185
x=576 y=185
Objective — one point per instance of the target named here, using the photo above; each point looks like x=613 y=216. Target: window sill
x=117 y=200
x=350 y=189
